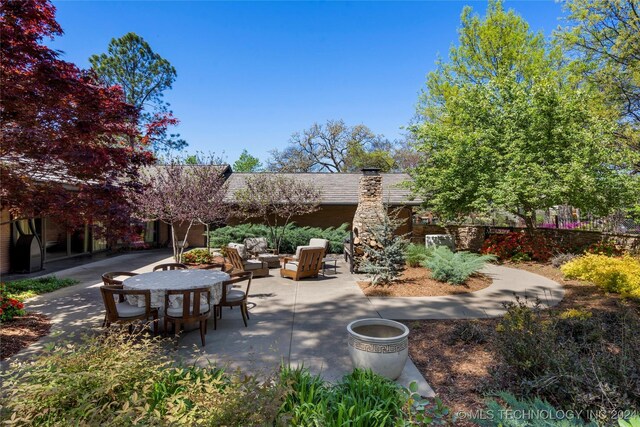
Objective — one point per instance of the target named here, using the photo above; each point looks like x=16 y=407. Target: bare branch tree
x=276 y=199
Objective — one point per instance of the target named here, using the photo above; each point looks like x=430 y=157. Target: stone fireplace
x=370 y=212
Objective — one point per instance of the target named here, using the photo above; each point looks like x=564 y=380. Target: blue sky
x=252 y=73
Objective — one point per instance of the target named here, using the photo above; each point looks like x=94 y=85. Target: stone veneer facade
x=370 y=211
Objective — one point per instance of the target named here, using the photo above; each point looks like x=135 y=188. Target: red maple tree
x=65 y=149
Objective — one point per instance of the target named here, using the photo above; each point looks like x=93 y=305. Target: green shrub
x=293 y=237
x=10 y=307
x=454 y=267
x=197 y=256
x=27 y=288
x=120 y=380
x=415 y=255
x=532 y=413
x=384 y=262
x=576 y=360
x=468 y=332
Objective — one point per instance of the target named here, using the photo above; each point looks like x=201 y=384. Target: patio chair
x=307 y=264
x=195 y=307
x=240 y=264
x=122 y=311
x=109 y=279
x=313 y=243
x=170 y=266
x=232 y=297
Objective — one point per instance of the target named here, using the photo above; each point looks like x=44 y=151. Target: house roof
x=340 y=188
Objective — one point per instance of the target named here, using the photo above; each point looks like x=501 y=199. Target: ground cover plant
x=197 y=256
x=10 y=306
x=122 y=379
x=454 y=267
x=620 y=275
x=292 y=236
x=27 y=288
x=415 y=255
x=520 y=246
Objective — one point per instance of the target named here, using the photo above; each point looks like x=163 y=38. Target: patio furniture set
x=187 y=296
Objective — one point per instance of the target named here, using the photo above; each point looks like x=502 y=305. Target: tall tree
x=182 y=195
x=247 y=163
x=504 y=126
x=144 y=77
x=332 y=147
x=275 y=199
x=64 y=151
x=605 y=36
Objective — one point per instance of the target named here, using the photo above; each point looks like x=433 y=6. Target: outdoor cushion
x=127 y=310
x=292 y=265
x=252 y=264
x=177 y=311
x=242 y=250
x=257 y=245
x=299 y=248
x=319 y=243
x=235 y=295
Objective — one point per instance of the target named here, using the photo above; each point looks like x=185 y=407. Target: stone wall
x=470 y=238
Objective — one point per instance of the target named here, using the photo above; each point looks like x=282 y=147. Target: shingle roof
x=341 y=188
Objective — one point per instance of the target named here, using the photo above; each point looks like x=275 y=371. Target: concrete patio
x=300 y=323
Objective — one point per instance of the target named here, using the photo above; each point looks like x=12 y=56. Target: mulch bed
x=21 y=332
x=417 y=282
x=460 y=373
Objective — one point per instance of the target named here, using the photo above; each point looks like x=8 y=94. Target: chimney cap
x=370 y=171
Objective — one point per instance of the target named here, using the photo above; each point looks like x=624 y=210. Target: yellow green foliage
x=576 y=313
x=620 y=275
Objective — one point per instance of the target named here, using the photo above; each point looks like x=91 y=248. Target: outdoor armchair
x=240 y=264
x=307 y=264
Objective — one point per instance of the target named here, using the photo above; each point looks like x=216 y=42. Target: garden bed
x=21 y=332
x=460 y=358
x=417 y=282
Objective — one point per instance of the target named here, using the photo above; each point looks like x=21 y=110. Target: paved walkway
x=302 y=323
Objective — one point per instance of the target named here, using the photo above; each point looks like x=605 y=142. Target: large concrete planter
x=380 y=345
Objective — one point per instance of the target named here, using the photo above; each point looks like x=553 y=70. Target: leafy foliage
x=143 y=76
x=604 y=247
x=123 y=380
x=520 y=246
x=415 y=255
x=10 y=305
x=505 y=125
x=454 y=267
x=539 y=414
x=77 y=131
x=576 y=360
x=292 y=235
x=384 y=262
x=197 y=256
x=247 y=163
x=27 y=288
x=276 y=199
x=619 y=275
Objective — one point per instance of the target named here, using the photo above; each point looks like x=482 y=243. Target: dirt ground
x=417 y=282
x=21 y=332
x=459 y=372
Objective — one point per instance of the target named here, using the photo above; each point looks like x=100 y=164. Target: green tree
x=505 y=125
x=247 y=163
x=144 y=77
x=604 y=35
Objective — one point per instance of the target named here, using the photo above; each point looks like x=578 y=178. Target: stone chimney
x=370 y=212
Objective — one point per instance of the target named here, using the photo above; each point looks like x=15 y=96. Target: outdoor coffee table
x=158 y=282
x=330 y=263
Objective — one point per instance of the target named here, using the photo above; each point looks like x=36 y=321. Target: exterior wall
x=195 y=237
x=5 y=242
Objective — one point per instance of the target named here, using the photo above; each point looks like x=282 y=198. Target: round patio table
x=158 y=282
